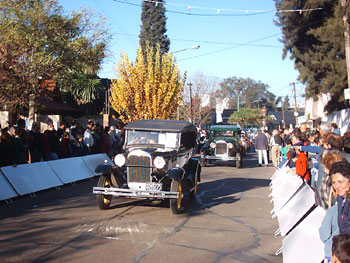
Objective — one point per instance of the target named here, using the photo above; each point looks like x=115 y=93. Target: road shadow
x=225 y=191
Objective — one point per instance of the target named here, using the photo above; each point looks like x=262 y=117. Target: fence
x=298 y=217
x=31 y=178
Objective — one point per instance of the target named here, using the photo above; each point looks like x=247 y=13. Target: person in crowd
x=53 y=141
x=276 y=143
x=36 y=143
x=261 y=144
x=115 y=140
x=61 y=129
x=329 y=228
x=65 y=146
x=285 y=151
x=97 y=135
x=286 y=134
x=329 y=157
x=325 y=127
x=341 y=249
x=79 y=148
x=340 y=174
x=335 y=128
x=346 y=145
x=106 y=146
x=88 y=138
x=7 y=147
x=22 y=132
x=296 y=141
x=21 y=154
x=302 y=165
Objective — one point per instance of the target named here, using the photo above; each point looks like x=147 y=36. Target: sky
x=237 y=38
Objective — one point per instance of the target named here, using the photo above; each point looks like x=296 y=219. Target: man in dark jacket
x=261 y=145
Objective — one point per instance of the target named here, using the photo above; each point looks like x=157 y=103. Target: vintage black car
x=224 y=144
x=157 y=163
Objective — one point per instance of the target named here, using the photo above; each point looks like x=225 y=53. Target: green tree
x=246 y=116
x=153 y=26
x=247 y=92
x=315 y=41
x=38 y=43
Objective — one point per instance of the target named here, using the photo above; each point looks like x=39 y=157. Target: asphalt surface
x=228 y=222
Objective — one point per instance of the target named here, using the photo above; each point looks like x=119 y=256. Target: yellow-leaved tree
x=149 y=88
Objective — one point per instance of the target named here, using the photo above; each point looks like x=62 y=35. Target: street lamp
x=184 y=49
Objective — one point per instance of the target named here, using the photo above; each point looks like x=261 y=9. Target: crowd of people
x=321 y=158
x=19 y=145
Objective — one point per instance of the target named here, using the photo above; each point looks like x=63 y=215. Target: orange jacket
x=302 y=166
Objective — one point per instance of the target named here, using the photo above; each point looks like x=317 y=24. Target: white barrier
x=92 y=161
x=303 y=244
x=295 y=209
x=299 y=225
x=6 y=190
x=30 y=178
x=71 y=169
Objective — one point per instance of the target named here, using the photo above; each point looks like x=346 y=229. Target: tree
x=150 y=90
x=246 y=116
x=315 y=41
x=247 y=93
x=199 y=87
x=153 y=26
x=39 y=44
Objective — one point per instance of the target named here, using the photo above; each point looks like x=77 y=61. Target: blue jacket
x=343 y=215
x=329 y=228
x=261 y=142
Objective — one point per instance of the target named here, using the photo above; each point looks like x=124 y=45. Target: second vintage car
x=223 y=144
x=157 y=164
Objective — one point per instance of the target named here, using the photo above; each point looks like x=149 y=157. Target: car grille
x=139 y=170
x=221 y=148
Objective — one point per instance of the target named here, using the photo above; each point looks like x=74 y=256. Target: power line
x=206 y=41
x=235 y=12
x=225 y=49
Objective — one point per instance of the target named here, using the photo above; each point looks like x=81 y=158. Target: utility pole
x=283 y=115
x=347 y=39
x=191 y=107
x=295 y=105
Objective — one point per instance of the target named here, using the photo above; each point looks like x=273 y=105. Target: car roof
x=161 y=125
x=224 y=128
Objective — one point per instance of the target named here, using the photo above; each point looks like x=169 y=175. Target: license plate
x=153 y=186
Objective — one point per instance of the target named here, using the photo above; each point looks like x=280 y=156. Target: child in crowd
x=341 y=249
x=301 y=165
x=285 y=151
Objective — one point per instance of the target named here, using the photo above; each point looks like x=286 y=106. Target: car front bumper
x=130 y=193
x=222 y=158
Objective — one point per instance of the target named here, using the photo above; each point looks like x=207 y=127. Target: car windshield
x=168 y=139
x=224 y=133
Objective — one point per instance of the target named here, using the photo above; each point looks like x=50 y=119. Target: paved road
x=228 y=222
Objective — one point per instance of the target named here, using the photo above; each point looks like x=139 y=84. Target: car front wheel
x=104 y=201
x=175 y=204
x=239 y=163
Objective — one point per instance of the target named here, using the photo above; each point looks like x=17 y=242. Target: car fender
x=176 y=174
x=103 y=169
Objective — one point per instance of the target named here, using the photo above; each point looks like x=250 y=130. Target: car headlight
x=212 y=145
x=119 y=160
x=159 y=162
x=230 y=145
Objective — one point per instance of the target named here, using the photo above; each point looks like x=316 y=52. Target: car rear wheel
x=104 y=201
x=193 y=193
x=175 y=204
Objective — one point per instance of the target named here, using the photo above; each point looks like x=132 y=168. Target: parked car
x=157 y=164
x=224 y=144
